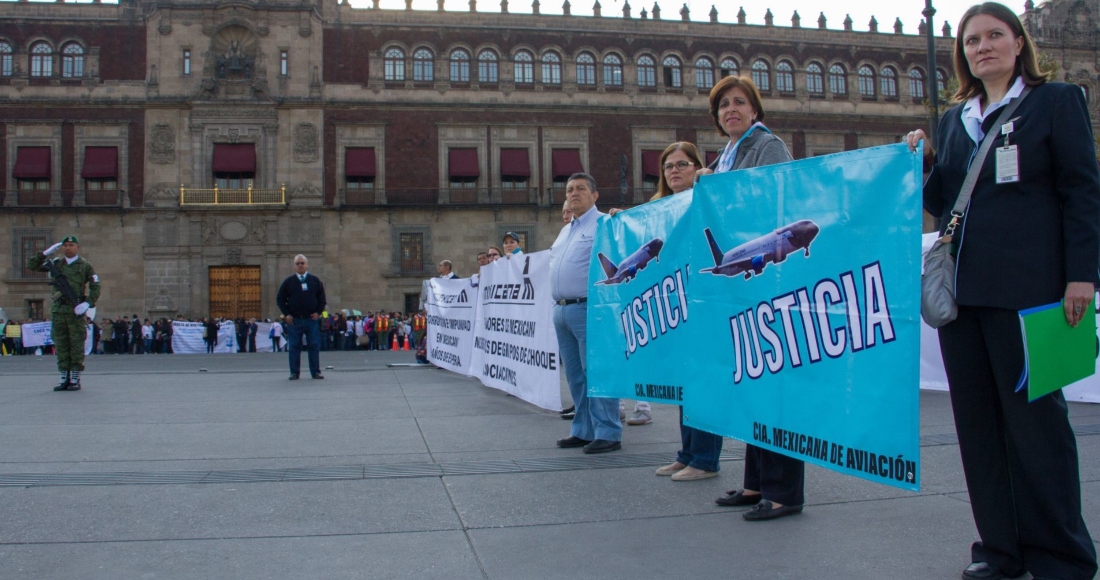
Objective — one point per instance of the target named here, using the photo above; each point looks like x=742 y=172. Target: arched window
x=394 y=64
x=488 y=70
x=551 y=68
x=5 y=59
x=704 y=73
x=72 y=61
x=674 y=73
x=647 y=71
x=460 y=66
x=784 y=77
x=888 y=82
x=586 y=69
x=41 y=60
x=612 y=71
x=729 y=67
x=838 y=80
x=815 y=79
x=941 y=85
x=423 y=65
x=866 y=81
x=761 y=75
x=916 y=83
x=524 y=67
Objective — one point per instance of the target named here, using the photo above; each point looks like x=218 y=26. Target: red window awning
x=32 y=163
x=100 y=163
x=651 y=164
x=234 y=158
x=463 y=163
x=359 y=162
x=711 y=156
x=565 y=162
x=515 y=163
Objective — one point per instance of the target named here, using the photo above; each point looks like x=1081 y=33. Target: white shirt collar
x=973 y=116
x=72 y=259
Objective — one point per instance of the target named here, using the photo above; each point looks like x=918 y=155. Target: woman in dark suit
x=1029 y=237
x=773 y=482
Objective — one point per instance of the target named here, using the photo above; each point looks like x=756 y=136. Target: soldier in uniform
x=70 y=308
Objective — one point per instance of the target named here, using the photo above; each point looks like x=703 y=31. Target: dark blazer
x=300 y=303
x=1021 y=243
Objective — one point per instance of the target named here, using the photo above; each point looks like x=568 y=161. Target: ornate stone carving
x=233 y=256
x=162 y=195
x=161 y=231
x=162 y=144
x=163 y=301
x=233 y=231
x=305 y=227
x=305 y=194
x=305 y=143
x=259 y=232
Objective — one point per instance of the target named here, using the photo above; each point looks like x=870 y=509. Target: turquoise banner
x=800 y=328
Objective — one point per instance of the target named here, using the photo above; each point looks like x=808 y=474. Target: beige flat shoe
x=671 y=468
x=692 y=474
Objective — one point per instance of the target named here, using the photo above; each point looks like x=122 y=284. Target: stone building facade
x=379 y=142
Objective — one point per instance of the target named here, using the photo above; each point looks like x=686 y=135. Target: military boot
x=64 y=386
x=74 y=381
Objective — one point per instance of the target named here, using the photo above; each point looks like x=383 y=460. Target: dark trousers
x=312 y=331
x=1019 y=458
x=778 y=478
x=699 y=449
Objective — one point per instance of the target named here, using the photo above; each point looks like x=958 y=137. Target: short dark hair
x=734 y=81
x=591 y=180
x=1027 y=64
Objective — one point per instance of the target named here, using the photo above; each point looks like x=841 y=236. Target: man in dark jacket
x=301 y=299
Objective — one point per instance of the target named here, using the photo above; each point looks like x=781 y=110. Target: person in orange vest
x=419 y=326
x=392 y=321
x=382 y=327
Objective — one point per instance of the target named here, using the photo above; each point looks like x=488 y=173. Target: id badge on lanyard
x=1008 y=158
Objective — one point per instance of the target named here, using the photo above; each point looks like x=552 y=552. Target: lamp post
x=933 y=86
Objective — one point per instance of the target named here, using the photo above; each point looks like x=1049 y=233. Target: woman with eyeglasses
x=698 y=456
x=494 y=253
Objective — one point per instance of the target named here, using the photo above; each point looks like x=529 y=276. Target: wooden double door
x=235 y=291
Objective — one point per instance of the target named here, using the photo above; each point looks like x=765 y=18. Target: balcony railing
x=31 y=198
x=247 y=196
x=471 y=198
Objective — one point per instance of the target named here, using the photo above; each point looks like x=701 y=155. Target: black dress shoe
x=292 y=378
x=602 y=446
x=569 y=410
x=568 y=414
x=982 y=571
x=766 y=510
x=62 y=387
x=318 y=376
x=572 y=441
x=737 y=498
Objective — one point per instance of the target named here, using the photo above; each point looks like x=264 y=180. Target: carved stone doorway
x=235 y=291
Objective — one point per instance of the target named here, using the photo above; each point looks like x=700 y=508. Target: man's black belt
x=568 y=301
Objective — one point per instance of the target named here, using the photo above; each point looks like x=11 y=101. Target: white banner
x=515 y=345
x=187 y=338
x=38 y=334
x=452 y=308
x=263 y=341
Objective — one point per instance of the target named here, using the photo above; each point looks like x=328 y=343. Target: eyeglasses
x=494 y=255
x=681 y=165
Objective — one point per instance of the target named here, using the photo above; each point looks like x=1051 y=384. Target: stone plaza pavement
x=161 y=470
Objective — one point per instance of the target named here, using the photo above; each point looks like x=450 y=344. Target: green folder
x=1055 y=353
